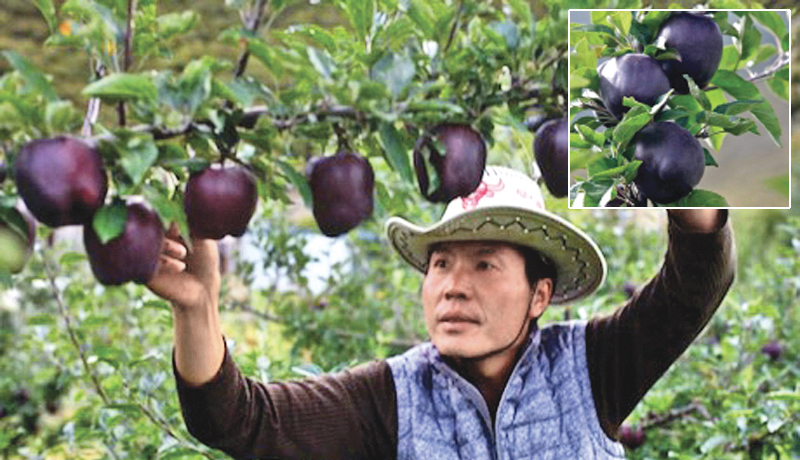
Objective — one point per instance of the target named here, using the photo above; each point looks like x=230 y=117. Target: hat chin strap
x=519 y=334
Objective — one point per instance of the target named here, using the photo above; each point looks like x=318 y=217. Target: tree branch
x=128 y=57
x=455 y=26
x=252 y=21
x=62 y=310
x=783 y=60
x=252 y=114
x=654 y=420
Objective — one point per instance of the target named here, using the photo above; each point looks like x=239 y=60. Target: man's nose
x=458 y=284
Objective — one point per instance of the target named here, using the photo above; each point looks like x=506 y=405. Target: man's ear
x=540 y=298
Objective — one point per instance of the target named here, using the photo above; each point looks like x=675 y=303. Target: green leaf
x=121 y=87
x=299 y=181
x=523 y=10
x=266 y=55
x=771 y=20
x=48 y=10
x=32 y=75
x=750 y=40
x=736 y=107
x=435 y=106
x=595 y=191
x=394 y=70
x=195 y=84
x=360 y=13
x=626 y=170
x=701 y=199
x=130 y=409
x=621 y=20
x=592 y=136
x=625 y=131
x=138 y=153
x=422 y=15
x=70 y=258
x=741 y=89
x=784 y=395
x=316 y=33
x=42 y=320
x=109 y=221
x=322 y=61
x=709 y=159
x=397 y=157
x=698 y=93
x=780 y=87
x=177 y=23
x=713 y=442
x=61 y=117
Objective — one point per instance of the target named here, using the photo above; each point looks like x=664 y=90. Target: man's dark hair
x=537 y=266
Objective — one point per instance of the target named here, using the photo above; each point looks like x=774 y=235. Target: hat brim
x=580 y=266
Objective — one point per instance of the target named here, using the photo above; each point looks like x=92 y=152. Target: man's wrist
x=698 y=220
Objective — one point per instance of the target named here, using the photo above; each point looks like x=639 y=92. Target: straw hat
x=508 y=206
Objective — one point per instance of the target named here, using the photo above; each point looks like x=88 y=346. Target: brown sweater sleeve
x=630 y=349
x=348 y=415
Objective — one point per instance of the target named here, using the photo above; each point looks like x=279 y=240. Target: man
x=491 y=384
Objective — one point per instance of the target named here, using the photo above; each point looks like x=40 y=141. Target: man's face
x=477 y=300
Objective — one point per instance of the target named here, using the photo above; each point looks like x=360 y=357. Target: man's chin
x=460 y=348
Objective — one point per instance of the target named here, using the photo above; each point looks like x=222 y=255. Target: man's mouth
x=456 y=317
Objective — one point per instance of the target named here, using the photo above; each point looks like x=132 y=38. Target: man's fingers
x=174 y=249
x=170 y=264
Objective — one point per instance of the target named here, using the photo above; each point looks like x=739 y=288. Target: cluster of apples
x=62 y=181
x=673 y=161
x=342 y=184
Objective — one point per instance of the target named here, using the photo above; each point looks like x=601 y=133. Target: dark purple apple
x=131 y=256
x=459 y=168
x=630 y=437
x=220 y=201
x=551 y=148
x=673 y=162
x=699 y=41
x=342 y=191
x=61 y=180
x=631 y=75
x=773 y=349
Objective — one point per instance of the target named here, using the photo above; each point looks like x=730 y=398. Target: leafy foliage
x=601 y=145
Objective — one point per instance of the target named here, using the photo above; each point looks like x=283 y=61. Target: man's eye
x=483 y=265
x=440 y=263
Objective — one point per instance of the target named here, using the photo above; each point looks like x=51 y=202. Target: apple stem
x=341 y=137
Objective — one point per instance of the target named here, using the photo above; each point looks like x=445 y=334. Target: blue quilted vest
x=546 y=411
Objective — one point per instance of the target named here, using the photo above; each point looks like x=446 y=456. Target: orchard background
x=86 y=370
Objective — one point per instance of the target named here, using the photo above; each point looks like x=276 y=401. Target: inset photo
x=672 y=108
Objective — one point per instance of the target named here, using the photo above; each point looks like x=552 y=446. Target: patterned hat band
x=508 y=207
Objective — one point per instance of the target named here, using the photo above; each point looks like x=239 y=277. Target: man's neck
x=490 y=374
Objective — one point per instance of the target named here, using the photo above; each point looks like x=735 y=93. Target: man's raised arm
x=630 y=349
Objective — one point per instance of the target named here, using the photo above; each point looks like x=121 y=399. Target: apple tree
x=355 y=122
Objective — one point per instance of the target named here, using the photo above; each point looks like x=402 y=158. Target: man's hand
x=191 y=281
x=698 y=220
